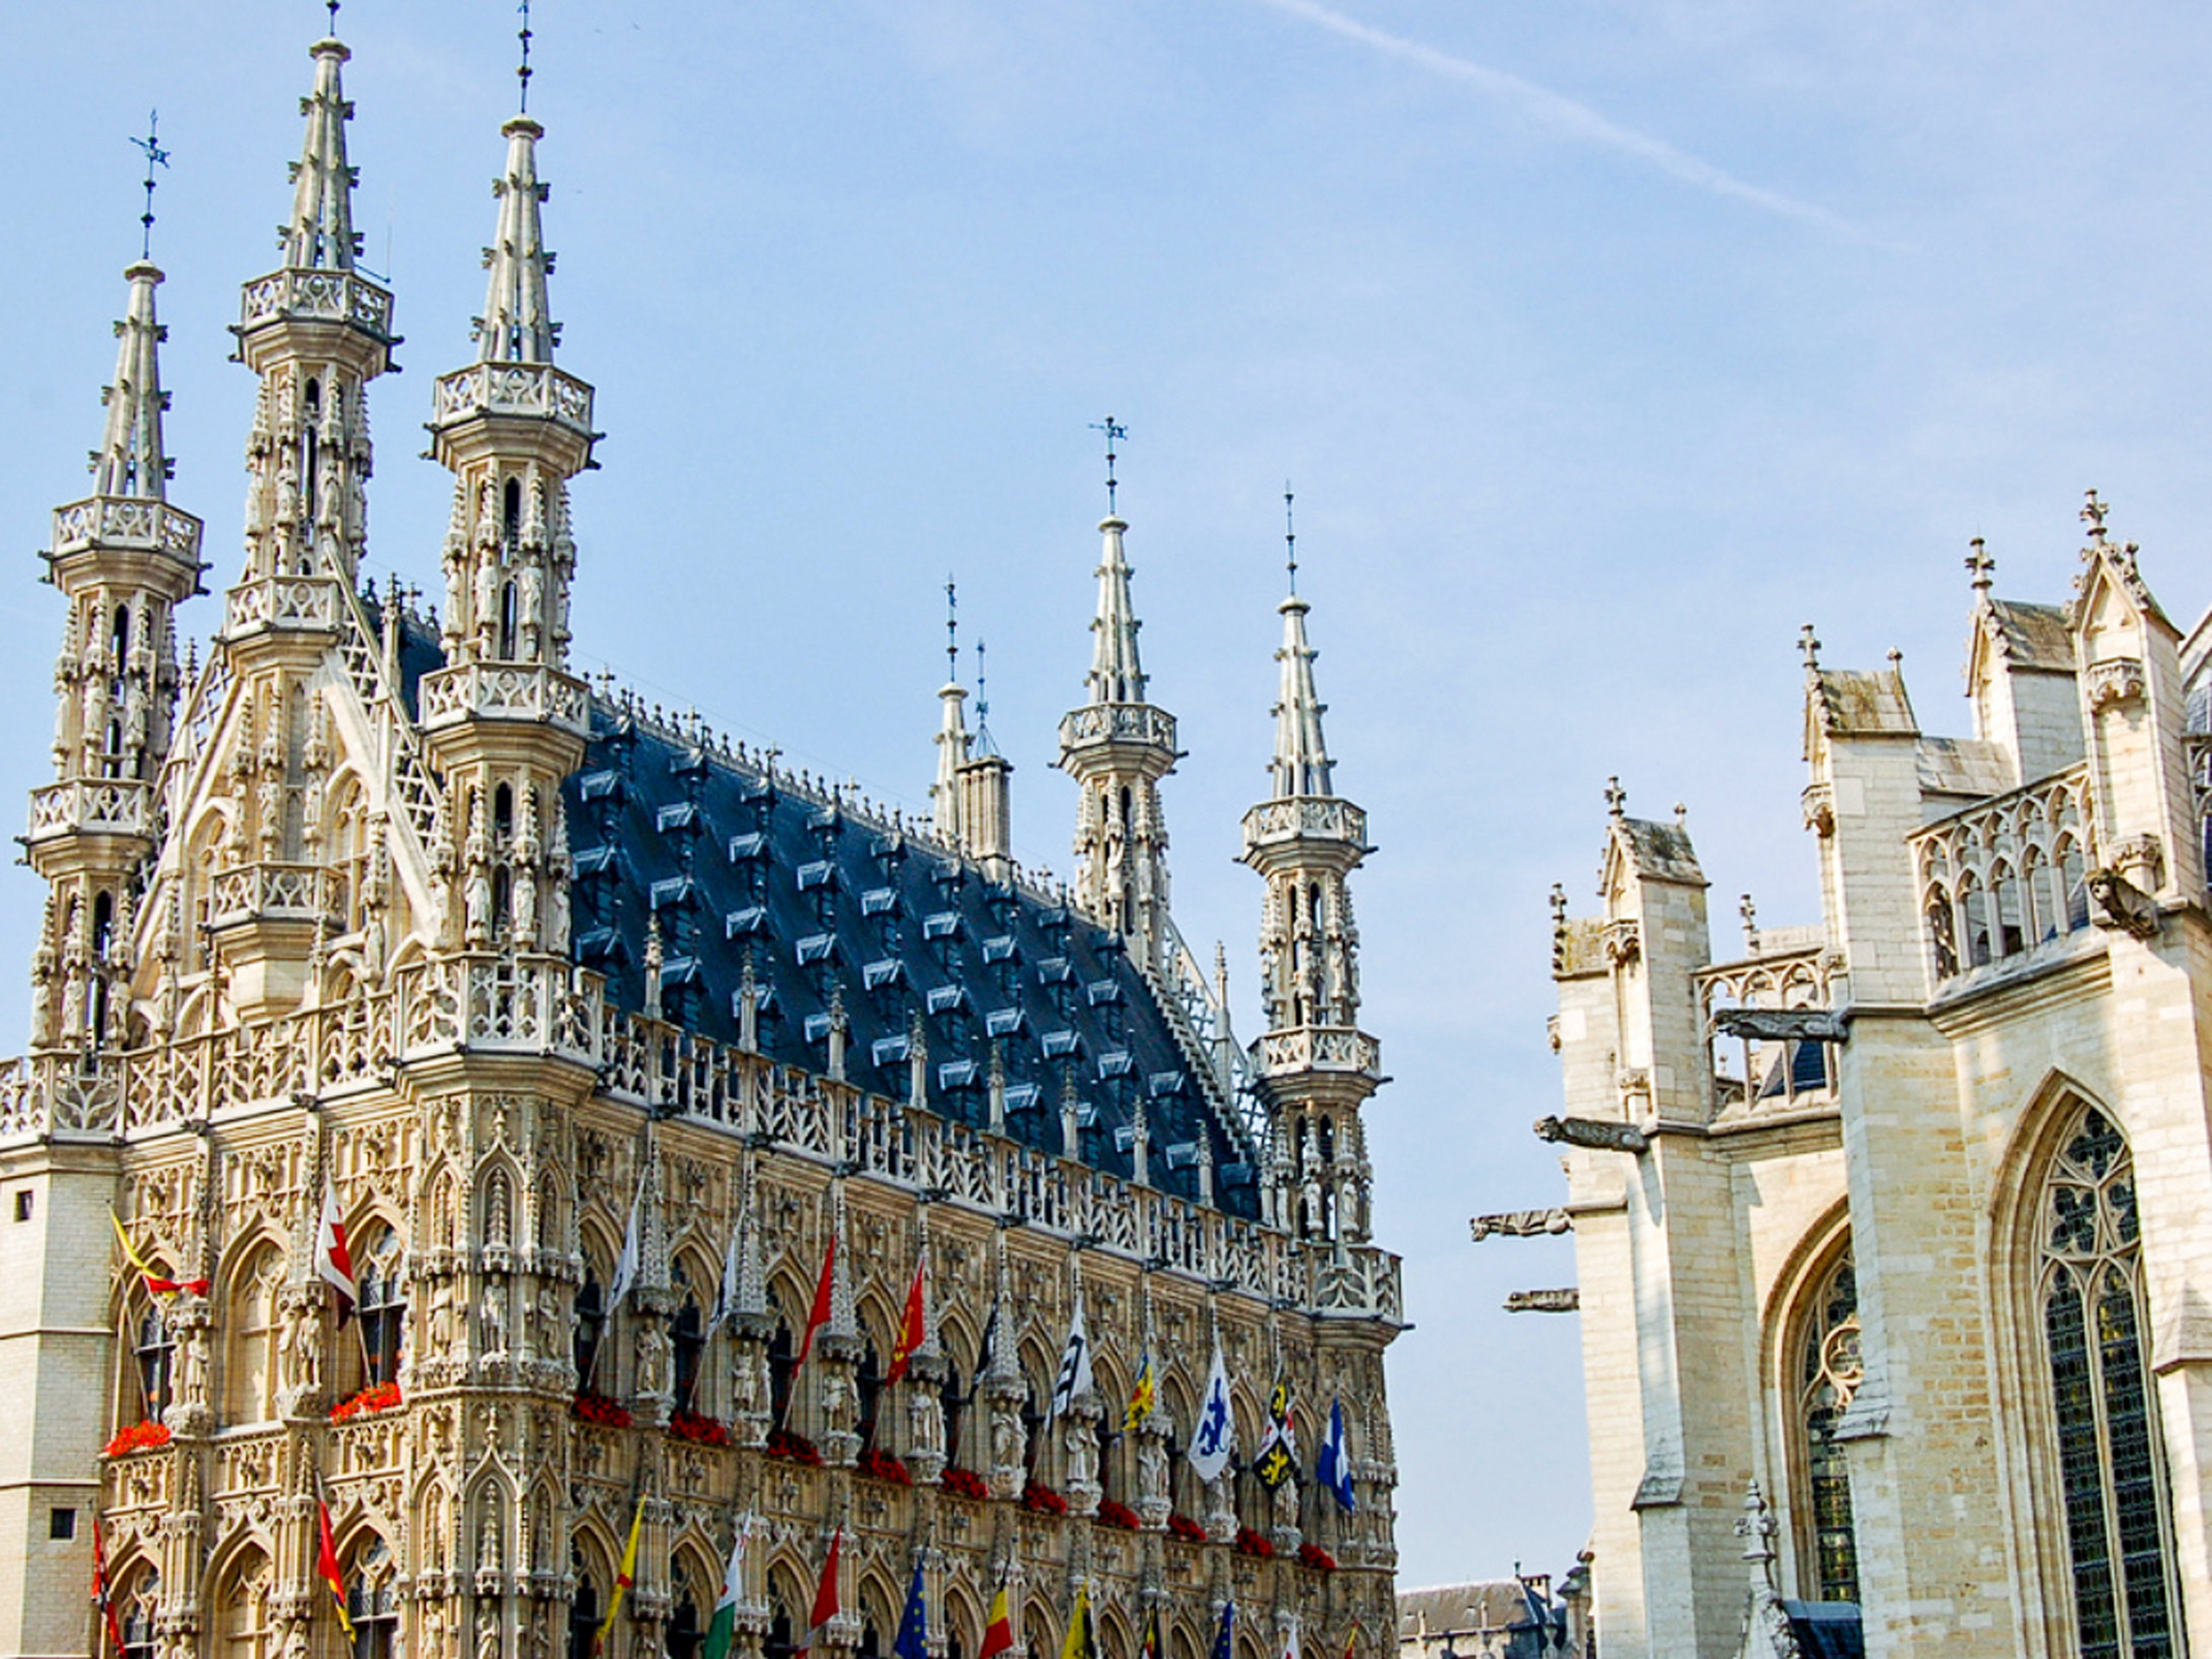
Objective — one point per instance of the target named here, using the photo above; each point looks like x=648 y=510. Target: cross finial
x=522 y=71
x=952 y=631
x=155 y=156
x=1558 y=907
x=1980 y=566
x=1749 y=912
x=1289 y=538
x=2092 y=515
x=1114 y=432
x=1810 y=642
x=1616 y=797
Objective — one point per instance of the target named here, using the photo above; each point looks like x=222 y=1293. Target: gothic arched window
x=155 y=1351
x=584 y=1611
x=383 y=1308
x=689 y=1344
x=250 y=1374
x=683 y=1632
x=591 y=1328
x=954 y=1404
x=867 y=1384
x=372 y=1600
x=136 y=1612
x=779 y=1374
x=1827 y=1372
x=2105 y=1415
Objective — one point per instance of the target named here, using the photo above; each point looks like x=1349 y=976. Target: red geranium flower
x=966 y=1482
x=797 y=1448
x=1319 y=1559
x=1250 y=1543
x=1041 y=1498
x=878 y=1465
x=598 y=1408
x=378 y=1396
x=138 y=1437
x=1184 y=1528
x=1111 y=1514
x=699 y=1428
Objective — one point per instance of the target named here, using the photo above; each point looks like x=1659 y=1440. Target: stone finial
x=2092 y=514
x=1558 y=909
x=1808 y=646
x=1616 y=798
x=1749 y=912
x=1981 y=569
x=319 y=235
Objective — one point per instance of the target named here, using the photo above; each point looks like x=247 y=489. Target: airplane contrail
x=1564 y=114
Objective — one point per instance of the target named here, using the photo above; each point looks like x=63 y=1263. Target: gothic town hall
x=484 y=1147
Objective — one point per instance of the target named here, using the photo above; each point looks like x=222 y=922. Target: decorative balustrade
x=1322 y=818
x=2002 y=877
x=104 y=806
x=1119 y=722
x=528 y=388
x=316 y=296
x=1773 y=1075
x=276 y=891
x=126 y=521
x=1319 y=1048
x=301 y=602
x=506 y=691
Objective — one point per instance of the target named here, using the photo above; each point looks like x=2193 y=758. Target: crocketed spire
x=1301 y=762
x=1117 y=673
x=517 y=324
x=320 y=236
x=131 y=461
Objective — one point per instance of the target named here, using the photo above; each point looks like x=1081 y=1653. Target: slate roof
x=824 y=901
x=2034 y=636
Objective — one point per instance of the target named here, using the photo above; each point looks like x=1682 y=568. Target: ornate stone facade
x=382 y=905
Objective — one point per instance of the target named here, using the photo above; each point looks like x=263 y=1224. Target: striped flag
x=1082 y=1643
x=326 y=1566
x=998 y=1634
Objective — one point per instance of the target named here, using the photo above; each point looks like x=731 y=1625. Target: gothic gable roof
x=731 y=863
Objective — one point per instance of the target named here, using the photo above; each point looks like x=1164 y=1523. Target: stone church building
x=598 y=1034
x=1894 y=1232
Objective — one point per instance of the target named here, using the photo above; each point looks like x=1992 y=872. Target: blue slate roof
x=825 y=901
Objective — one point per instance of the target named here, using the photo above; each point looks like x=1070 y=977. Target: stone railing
x=1319 y=1048
x=304 y=602
x=316 y=296
x=105 y=806
x=1752 y=1074
x=2006 y=875
x=506 y=691
x=126 y=521
x=526 y=389
x=1118 y=722
x=1323 y=818
x=276 y=891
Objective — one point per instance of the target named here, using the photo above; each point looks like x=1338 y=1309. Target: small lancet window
x=511 y=522
x=310 y=437
x=1828 y=1372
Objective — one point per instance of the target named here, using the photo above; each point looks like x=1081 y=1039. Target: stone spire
x=505 y=719
x=1316 y=1067
x=321 y=234
x=1117 y=748
x=122 y=558
x=952 y=747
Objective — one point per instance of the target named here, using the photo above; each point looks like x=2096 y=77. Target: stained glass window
x=2104 y=1413
x=1828 y=1374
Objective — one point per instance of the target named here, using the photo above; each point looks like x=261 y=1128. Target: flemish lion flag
x=1081 y=1641
x=1143 y=1395
x=998 y=1634
x=1276 y=1461
x=911 y=1330
x=624 y=1575
x=326 y=1566
x=155 y=1284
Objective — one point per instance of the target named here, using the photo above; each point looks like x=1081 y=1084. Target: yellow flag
x=1080 y=1644
x=624 y=1575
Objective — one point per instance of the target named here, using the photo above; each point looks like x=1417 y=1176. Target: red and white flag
x=818 y=1315
x=103 y=1595
x=334 y=1261
x=825 y=1599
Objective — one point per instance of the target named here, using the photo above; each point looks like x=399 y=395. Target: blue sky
x=1605 y=344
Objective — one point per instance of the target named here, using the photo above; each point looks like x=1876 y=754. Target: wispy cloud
x=1563 y=115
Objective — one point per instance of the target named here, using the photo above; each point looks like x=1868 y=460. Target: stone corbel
x=2113 y=684
x=1819 y=803
x=1593 y=1133
x=1624 y=942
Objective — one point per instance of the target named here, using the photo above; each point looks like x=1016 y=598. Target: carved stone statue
x=487 y=1629
x=652 y=1357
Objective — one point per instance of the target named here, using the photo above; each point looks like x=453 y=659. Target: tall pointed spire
x=1117 y=748
x=131 y=461
x=321 y=234
x=1301 y=762
x=952 y=729
x=517 y=324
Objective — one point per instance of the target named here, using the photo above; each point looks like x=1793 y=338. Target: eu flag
x=1225 y=1639
x=913 y=1624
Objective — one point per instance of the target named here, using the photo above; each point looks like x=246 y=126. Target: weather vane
x=1290 y=537
x=952 y=631
x=1112 y=432
x=155 y=156
x=982 y=690
x=332 y=4
x=522 y=72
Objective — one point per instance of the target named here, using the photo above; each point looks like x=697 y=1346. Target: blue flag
x=1334 y=1469
x=1225 y=1639
x=913 y=1624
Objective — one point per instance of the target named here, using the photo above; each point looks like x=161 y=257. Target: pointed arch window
x=383 y=1307
x=779 y=1374
x=154 y=1350
x=2104 y=1413
x=590 y=1327
x=1827 y=1373
x=372 y=1600
x=688 y=1342
x=138 y=1615
x=584 y=1611
x=954 y=1404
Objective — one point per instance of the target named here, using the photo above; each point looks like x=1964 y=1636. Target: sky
x=1604 y=344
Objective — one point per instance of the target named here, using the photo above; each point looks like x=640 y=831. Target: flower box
x=1041 y=1499
x=878 y=1465
x=1255 y=1544
x=1111 y=1514
x=378 y=1396
x=964 y=1482
x=1183 y=1527
x=699 y=1428
x=598 y=1408
x=793 y=1448
x=139 y=1437
x=1319 y=1559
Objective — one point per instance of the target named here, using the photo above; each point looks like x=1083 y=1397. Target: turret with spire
x=1118 y=746
x=124 y=558
x=505 y=719
x=972 y=795
x=1315 y=1066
